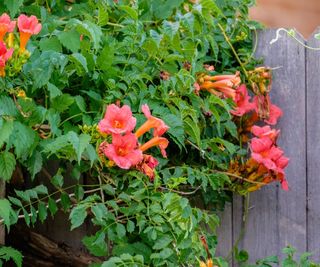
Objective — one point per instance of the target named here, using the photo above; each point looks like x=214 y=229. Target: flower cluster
x=27 y=26
x=220 y=85
x=264 y=151
x=124 y=150
x=267 y=158
x=267 y=162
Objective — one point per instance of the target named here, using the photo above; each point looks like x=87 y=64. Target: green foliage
x=8 y=253
x=289 y=260
x=90 y=54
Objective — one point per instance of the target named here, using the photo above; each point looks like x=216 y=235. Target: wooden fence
x=276 y=218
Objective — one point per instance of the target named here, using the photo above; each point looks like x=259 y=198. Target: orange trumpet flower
x=156 y=141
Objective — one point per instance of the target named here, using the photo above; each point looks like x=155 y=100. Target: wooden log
x=41 y=251
x=2 y=194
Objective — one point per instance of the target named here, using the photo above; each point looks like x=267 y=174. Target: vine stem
x=239 y=177
x=291 y=33
x=233 y=50
x=180 y=192
x=57 y=201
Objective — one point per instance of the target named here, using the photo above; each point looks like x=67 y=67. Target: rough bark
x=41 y=251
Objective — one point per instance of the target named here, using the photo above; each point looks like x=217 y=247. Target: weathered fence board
x=2 y=194
x=290 y=94
x=313 y=147
x=225 y=239
x=277 y=218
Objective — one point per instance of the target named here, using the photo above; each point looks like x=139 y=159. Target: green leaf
x=62 y=102
x=8 y=253
x=35 y=164
x=40 y=189
x=77 y=216
x=50 y=44
x=52 y=206
x=91 y=153
x=57 y=180
x=130 y=11
x=7 y=165
x=70 y=40
x=5 y=210
x=22 y=138
x=162 y=242
x=99 y=210
x=6 y=128
x=65 y=201
x=170 y=28
x=121 y=230
x=7 y=107
x=230 y=147
x=242 y=256
x=79 y=143
x=80 y=60
x=163 y=9
x=53 y=90
x=106 y=57
x=92 y=30
x=96 y=244
x=192 y=128
x=130 y=226
x=166 y=253
x=113 y=262
x=103 y=16
x=80 y=103
x=13 y=6
x=42 y=211
x=211 y=6
x=54 y=120
x=317 y=36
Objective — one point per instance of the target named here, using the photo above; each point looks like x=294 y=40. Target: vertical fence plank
x=278 y=218
x=2 y=194
x=290 y=94
x=224 y=232
x=313 y=147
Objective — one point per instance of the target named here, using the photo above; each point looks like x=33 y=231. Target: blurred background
x=304 y=15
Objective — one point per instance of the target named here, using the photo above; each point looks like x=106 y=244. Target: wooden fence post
x=2 y=194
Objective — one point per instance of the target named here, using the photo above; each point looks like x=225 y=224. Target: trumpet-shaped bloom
x=148 y=165
x=27 y=26
x=270 y=112
x=209 y=263
x=242 y=100
x=220 y=88
x=117 y=120
x=5 y=54
x=262 y=151
x=221 y=85
x=158 y=125
x=6 y=25
x=123 y=151
x=274 y=115
x=161 y=142
x=265 y=131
